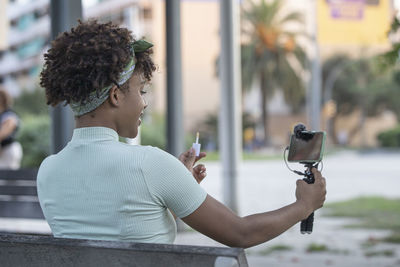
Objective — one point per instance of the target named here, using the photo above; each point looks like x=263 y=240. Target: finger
x=189 y=158
x=316 y=173
x=200 y=156
x=184 y=155
x=200 y=177
x=199 y=168
x=201 y=174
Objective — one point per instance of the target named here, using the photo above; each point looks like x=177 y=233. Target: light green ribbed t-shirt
x=100 y=188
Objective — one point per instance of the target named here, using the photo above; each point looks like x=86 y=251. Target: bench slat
x=22 y=174
x=18 y=194
x=22 y=250
x=21 y=209
x=18 y=190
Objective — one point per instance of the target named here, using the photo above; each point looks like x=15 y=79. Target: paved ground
x=268 y=185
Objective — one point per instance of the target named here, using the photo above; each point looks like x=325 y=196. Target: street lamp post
x=230 y=112
x=64 y=15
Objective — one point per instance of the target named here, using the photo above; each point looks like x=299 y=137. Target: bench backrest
x=34 y=250
x=18 y=195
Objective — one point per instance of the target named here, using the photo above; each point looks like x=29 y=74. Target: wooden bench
x=43 y=251
x=18 y=195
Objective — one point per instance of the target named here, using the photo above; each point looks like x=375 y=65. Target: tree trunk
x=359 y=128
x=264 y=108
x=332 y=130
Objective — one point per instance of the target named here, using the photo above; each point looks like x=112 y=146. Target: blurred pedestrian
x=248 y=136
x=10 y=149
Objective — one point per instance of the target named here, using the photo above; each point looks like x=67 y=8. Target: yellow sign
x=358 y=22
x=3 y=24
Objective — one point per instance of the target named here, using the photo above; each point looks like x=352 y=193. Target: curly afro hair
x=88 y=58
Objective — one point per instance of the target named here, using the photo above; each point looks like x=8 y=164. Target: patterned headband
x=96 y=99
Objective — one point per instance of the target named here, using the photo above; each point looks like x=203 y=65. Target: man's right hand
x=312 y=196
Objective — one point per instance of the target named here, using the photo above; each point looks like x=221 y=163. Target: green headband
x=96 y=99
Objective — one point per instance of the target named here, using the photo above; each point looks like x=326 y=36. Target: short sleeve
x=171 y=183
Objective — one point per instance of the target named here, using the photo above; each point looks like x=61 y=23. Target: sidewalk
x=344 y=247
x=268 y=185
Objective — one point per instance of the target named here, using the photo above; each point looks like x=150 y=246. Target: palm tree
x=360 y=85
x=270 y=54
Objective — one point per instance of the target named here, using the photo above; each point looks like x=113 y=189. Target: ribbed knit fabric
x=99 y=188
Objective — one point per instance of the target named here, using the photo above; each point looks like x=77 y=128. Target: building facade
x=349 y=26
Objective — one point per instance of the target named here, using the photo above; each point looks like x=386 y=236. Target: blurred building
x=3 y=24
x=25 y=35
x=28 y=25
x=355 y=27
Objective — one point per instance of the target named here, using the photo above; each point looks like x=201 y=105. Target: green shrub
x=390 y=138
x=31 y=103
x=34 y=136
x=152 y=131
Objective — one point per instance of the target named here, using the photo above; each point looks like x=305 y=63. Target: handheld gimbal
x=306 y=226
x=302 y=150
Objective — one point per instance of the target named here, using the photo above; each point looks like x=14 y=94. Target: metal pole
x=174 y=78
x=314 y=93
x=230 y=112
x=64 y=15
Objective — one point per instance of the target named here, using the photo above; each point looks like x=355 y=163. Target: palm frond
x=292 y=17
x=266 y=53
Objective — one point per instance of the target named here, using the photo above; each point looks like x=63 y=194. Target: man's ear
x=115 y=96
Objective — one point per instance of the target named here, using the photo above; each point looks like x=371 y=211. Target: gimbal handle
x=306 y=226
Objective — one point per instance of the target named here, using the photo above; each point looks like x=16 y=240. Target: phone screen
x=307 y=151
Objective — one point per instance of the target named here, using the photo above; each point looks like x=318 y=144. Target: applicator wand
x=196 y=146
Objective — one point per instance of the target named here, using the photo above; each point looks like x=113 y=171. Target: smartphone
x=307 y=151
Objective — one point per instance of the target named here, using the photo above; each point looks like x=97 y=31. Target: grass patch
x=214 y=156
x=370 y=242
x=393 y=238
x=211 y=156
x=273 y=249
x=316 y=248
x=313 y=247
x=373 y=212
x=385 y=253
